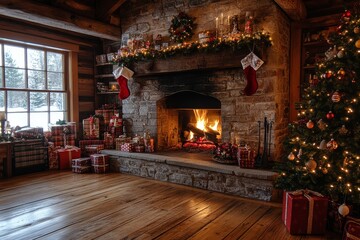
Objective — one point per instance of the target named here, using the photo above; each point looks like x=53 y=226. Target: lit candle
x=2 y=116
x=216 y=22
x=222 y=18
x=228 y=22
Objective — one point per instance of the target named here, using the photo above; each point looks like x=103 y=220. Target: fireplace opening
x=189 y=121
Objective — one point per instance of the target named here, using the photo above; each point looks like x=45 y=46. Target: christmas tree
x=323 y=146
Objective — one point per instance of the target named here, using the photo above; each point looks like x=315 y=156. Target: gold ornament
x=357 y=43
x=332 y=144
x=344 y=210
x=340 y=54
x=336 y=97
x=310 y=124
x=322 y=145
x=343 y=130
x=291 y=156
x=324 y=170
x=311 y=165
x=356 y=30
x=321 y=125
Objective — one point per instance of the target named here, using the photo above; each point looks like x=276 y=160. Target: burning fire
x=202 y=122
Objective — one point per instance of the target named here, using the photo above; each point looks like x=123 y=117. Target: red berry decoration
x=330 y=115
x=328 y=74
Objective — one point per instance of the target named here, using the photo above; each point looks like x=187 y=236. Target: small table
x=5 y=159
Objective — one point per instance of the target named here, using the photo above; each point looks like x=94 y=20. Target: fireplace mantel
x=194 y=62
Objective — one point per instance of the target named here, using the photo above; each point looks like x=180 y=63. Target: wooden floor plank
x=63 y=205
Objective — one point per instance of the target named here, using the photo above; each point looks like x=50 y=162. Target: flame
x=202 y=121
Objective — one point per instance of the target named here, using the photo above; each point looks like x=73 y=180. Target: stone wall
x=240 y=113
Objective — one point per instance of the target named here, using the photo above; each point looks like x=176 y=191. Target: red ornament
x=330 y=115
x=310 y=124
x=347 y=13
x=328 y=74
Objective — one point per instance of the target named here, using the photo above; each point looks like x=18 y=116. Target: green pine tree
x=323 y=147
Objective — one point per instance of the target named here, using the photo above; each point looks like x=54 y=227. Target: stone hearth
x=197 y=172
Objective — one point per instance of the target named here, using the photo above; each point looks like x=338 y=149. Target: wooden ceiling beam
x=295 y=9
x=56 y=18
x=107 y=8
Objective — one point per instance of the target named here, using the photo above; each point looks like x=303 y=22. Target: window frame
x=28 y=90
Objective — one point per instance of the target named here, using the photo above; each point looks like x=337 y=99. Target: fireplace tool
x=258 y=156
x=270 y=126
x=264 y=159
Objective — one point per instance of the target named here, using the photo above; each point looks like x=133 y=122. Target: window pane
x=36 y=79
x=17 y=101
x=38 y=101
x=36 y=59
x=39 y=120
x=18 y=119
x=57 y=101
x=55 y=116
x=56 y=81
x=14 y=78
x=1 y=76
x=2 y=100
x=14 y=56
x=55 y=62
x=1 y=63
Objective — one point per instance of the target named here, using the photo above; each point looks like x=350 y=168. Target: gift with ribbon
x=352 y=229
x=304 y=212
x=66 y=155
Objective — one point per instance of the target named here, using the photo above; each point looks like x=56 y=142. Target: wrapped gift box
x=29 y=133
x=304 y=212
x=106 y=113
x=66 y=155
x=99 y=159
x=57 y=130
x=140 y=148
x=93 y=149
x=81 y=162
x=53 y=156
x=108 y=141
x=81 y=169
x=246 y=157
x=352 y=229
x=127 y=147
x=100 y=168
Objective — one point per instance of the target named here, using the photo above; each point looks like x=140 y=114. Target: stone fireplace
x=146 y=108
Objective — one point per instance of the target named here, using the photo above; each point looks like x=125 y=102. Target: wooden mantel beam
x=53 y=17
x=295 y=9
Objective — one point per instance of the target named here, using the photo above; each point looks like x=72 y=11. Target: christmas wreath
x=181 y=27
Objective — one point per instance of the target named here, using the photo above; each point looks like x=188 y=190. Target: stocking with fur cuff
x=122 y=74
x=250 y=64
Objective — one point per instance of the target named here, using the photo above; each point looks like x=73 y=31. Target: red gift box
x=246 y=157
x=81 y=162
x=99 y=159
x=66 y=155
x=352 y=229
x=93 y=149
x=304 y=212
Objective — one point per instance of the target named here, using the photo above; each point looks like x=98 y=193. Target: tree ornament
x=340 y=54
x=336 y=97
x=332 y=145
x=181 y=27
x=322 y=145
x=343 y=210
x=299 y=153
x=291 y=156
x=356 y=30
x=328 y=74
x=311 y=165
x=343 y=130
x=341 y=73
x=324 y=170
x=321 y=125
x=357 y=43
x=330 y=115
x=310 y=124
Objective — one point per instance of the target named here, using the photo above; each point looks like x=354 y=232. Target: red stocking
x=124 y=90
x=252 y=84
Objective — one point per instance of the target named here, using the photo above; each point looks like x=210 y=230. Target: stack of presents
x=104 y=130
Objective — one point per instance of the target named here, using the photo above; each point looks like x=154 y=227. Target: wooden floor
x=63 y=205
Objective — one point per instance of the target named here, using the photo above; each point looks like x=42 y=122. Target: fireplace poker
x=264 y=155
x=270 y=127
x=258 y=156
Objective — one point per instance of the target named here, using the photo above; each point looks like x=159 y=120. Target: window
x=33 y=89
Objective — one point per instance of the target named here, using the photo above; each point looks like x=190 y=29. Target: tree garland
x=181 y=28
